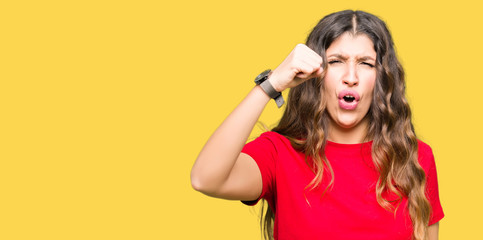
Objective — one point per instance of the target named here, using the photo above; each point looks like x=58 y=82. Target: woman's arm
x=220 y=169
x=433 y=231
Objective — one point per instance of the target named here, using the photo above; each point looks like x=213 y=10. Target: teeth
x=349 y=98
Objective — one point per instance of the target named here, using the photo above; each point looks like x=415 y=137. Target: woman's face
x=349 y=83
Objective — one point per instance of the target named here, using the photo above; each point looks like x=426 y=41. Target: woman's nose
x=350 y=77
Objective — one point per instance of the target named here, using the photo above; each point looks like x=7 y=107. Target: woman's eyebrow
x=344 y=57
x=338 y=55
x=364 y=58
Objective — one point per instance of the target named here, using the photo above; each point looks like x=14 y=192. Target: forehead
x=352 y=45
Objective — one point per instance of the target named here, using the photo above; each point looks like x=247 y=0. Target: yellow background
x=105 y=105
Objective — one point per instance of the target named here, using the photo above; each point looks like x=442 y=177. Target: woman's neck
x=356 y=134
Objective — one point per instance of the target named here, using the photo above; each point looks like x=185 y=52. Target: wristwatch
x=268 y=88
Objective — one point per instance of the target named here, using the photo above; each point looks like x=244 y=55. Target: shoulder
x=269 y=142
x=425 y=155
x=424 y=148
x=274 y=137
x=272 y=134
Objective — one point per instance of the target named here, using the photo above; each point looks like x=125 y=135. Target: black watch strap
x=277 y=96
x=267 y=87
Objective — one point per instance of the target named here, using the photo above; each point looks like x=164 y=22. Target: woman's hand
x=300 y=65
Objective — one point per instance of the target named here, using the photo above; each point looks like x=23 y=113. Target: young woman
x=344 y=161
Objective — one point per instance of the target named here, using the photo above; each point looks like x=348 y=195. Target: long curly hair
x=395 y=146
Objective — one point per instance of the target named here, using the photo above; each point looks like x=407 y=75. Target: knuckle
x=320 y=59
x=300 y=46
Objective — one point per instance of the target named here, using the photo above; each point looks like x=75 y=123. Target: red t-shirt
x=349 y=210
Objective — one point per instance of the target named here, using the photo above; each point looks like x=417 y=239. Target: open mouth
x=349 y=98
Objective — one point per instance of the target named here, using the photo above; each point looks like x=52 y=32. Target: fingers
x=310 y=63
x=308 y=72
x=311 y=56
x=304 y=76
x=316 y=74
x=300 y=65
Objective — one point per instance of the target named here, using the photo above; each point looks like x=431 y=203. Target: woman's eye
x=334 y=61
x=368 y=64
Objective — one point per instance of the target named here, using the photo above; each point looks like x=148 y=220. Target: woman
x=344 y=161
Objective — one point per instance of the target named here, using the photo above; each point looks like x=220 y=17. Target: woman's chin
x=347 y=123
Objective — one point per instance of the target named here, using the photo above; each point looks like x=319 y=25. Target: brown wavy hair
x=395 y=146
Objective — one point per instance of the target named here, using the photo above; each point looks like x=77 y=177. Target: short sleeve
x=426 y=159
x=263 y=150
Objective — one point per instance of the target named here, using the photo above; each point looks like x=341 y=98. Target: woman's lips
x=348 y=105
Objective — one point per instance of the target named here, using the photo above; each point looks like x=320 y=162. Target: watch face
x=262 y=76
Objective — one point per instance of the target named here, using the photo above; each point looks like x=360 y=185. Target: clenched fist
x=300 y=65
